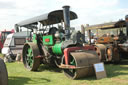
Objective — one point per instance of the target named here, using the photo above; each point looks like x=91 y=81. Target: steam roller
x=61 y=47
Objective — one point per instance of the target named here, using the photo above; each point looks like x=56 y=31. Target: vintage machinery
x=111 y=41
x=3 y=35
x=60 y=46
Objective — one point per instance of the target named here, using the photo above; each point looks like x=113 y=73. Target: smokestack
x=126 y=20
x=16 y=28
x=66 y=13
x=83 y=29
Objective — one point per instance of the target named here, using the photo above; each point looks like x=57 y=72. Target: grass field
x=18 y=75
x=1 y=56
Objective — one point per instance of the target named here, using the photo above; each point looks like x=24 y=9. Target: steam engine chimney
x=66 y=13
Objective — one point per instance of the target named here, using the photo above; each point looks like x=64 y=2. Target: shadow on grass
x=89 y=78
x=124 y=62
x=113 y=70
x=49 y=68
x=25 y=80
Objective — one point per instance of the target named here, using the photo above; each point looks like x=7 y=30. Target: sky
x=88 y=11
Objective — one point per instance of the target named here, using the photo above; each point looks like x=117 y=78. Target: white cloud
x=89 y=11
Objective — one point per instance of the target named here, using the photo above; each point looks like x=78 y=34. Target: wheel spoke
x=31 y=64
x=29 y=58
x=73 y=62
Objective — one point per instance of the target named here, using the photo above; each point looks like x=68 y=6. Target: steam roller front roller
x=101 y=51
x=30 y=53
x=80 y=64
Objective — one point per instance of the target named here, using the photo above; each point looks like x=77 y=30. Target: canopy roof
x=52 y=17
x=110 y=25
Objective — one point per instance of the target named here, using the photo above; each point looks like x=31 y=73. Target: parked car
x=14 y=43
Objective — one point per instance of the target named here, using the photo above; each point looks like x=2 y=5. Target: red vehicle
x=3 y=35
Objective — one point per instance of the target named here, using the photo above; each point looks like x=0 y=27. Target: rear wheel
x=30 y=52
x=3 y=73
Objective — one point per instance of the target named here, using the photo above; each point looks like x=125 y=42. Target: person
x=121 y=33
x=92 y=39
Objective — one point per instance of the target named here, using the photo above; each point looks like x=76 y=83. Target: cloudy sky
x=88 y=11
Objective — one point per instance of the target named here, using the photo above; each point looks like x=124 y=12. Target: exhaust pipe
x=82 y=29
x=66 y=14
x=16 y=28
x=126 y=20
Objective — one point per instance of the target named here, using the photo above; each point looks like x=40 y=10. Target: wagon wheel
x=30 y=52
x=3 y=73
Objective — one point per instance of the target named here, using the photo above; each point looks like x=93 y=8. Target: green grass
x=18 y=75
